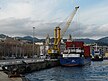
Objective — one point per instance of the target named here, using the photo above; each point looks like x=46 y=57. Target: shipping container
x=74 y=44
x=87 y=51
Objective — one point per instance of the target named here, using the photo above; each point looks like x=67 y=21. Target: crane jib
x=68 y=24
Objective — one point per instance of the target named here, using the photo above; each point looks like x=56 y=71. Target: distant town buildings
x=11 y=47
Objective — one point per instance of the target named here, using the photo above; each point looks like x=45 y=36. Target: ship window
x=96 y=51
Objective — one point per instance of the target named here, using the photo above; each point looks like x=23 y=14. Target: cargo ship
x=97 y=54
x=75 y=54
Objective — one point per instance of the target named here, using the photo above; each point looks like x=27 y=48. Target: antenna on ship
x=70 y=38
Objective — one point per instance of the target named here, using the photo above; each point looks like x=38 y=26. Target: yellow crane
x=55 y=51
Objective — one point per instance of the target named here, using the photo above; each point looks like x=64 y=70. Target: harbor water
x=97 y=71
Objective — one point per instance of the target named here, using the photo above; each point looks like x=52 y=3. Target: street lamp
x=33 y=41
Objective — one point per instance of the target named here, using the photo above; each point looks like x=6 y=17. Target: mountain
x=29 y=38
x=3 y=36
x=86 y=41
x=103 y=41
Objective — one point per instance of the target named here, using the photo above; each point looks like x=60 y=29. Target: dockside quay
x=17 y=68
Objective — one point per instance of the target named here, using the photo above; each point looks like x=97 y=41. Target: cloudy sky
x=18 y=17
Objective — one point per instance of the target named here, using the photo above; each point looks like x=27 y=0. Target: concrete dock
x=4 y=77
x=22 y=66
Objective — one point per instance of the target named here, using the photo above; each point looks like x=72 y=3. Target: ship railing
x=71 y=55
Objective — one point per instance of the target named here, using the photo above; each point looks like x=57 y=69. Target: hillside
x=102 y=41
x=87 y=41
x=3 y=36
x=29 y=38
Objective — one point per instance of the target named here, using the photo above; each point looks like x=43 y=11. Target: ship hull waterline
x=75 y=61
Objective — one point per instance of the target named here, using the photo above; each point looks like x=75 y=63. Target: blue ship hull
x=75 y=61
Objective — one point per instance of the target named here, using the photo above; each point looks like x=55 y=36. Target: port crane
x=54 y=52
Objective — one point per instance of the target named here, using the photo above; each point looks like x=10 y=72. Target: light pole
x=33 y=42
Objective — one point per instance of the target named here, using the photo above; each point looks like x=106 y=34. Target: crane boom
x=67 y=24
x=54 y=52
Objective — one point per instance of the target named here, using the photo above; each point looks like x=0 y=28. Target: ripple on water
x=97 y=71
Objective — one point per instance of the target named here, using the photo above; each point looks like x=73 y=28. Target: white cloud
x=21 y=15
x=94 y=15
x=103 y=28
x=18 y=10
